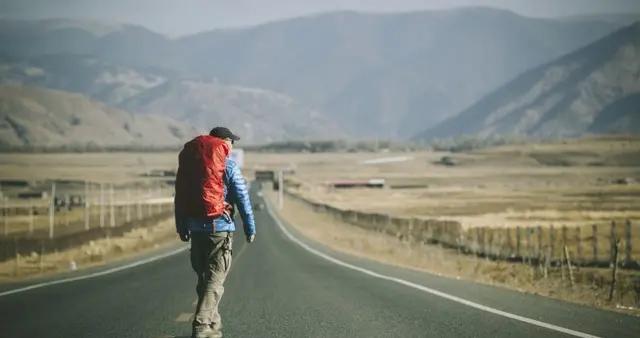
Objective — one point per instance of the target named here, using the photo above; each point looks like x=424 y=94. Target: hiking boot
x=204 y=332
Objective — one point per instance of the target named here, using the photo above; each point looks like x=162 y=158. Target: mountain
x=374 y=75
x=387 y=75
x=258 y=115
x=261 y=115
x=44 y=118
x=88 y=75
x=125 y=45
x=595 y=89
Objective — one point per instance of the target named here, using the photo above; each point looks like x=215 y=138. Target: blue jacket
x=236 y=193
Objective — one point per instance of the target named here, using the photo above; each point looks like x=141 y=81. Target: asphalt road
x=278 y=288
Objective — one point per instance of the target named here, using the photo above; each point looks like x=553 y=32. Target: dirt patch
x=591 y=284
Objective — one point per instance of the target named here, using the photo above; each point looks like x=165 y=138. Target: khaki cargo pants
x=210 y=259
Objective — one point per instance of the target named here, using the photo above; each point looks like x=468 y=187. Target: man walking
x=208 y=186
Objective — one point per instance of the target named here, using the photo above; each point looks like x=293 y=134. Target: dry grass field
x=562 y=183
x=591 y=285
x=97 y=167
x=573 y=182
x=136 y=196
x=577 y=182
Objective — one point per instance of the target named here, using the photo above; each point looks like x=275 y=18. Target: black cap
x=222 y=132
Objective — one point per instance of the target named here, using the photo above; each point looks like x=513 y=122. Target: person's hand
x=251 y=238
x=184 y=236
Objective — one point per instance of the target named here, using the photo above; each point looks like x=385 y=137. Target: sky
x=183 y=17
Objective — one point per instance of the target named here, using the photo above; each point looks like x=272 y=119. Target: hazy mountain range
x=595 y=89
x=45 y=118
x=342 y=74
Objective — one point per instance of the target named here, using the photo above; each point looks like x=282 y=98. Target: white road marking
x=424 y=288
x=388 y=160
x=95 y=274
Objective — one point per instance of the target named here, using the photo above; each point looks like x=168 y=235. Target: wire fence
x=614 y=243
x=59 y=221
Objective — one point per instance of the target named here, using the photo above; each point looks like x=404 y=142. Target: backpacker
x=200 y=177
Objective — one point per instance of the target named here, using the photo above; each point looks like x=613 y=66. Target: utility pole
x=149 y=206
x=138 y=204
x=31 y=219
x=112 y=214
x=128 y=206
x=52 y=209
x=86 y=205
x=280 y=189
x=102 y=205
x=5 y=215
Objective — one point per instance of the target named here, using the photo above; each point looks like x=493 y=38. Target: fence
x=103 y=210
x=588 y=245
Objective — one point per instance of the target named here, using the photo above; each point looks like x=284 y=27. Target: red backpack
x=200 y=177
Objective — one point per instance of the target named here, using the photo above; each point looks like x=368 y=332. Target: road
x=278 y=287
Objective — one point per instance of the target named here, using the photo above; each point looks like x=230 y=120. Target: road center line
x=422 y=287
x=96 y=274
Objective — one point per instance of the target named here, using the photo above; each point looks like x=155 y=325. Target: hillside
x=594 y=89
x=88 y=75
x=258 y=116
x=43 y=118
x=387 y=74
x=382 y=75
x=275 y=117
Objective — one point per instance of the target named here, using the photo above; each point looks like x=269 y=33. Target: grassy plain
x=574 y=182
x=562 y=183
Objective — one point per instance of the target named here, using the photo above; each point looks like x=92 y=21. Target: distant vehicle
x=265 y=175
x=161 y=173
x=372 y=183
x=448 y=161
x=33 y=195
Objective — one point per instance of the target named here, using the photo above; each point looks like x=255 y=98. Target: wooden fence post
x=594 y=242
x=5 y=216
x=491 y=241
x=552 y=240
x=112 y=214
x=518 y=242
x=564 y=237
x=528 y=233
x=159 y=196
x=86 y=205
x=484 y=241
x=547 y=262
x=41 y=257
x=613 y=242
x=31 y=218
x=128 y=206
x=505 y=243
x=102 y=205
x=627 y=245
x=568 y=260
x=15 y=248
x=615 y=269
x=539 y=247
x=52 y=209
x=149 y=206
x=138 y=204
x=578 y=258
